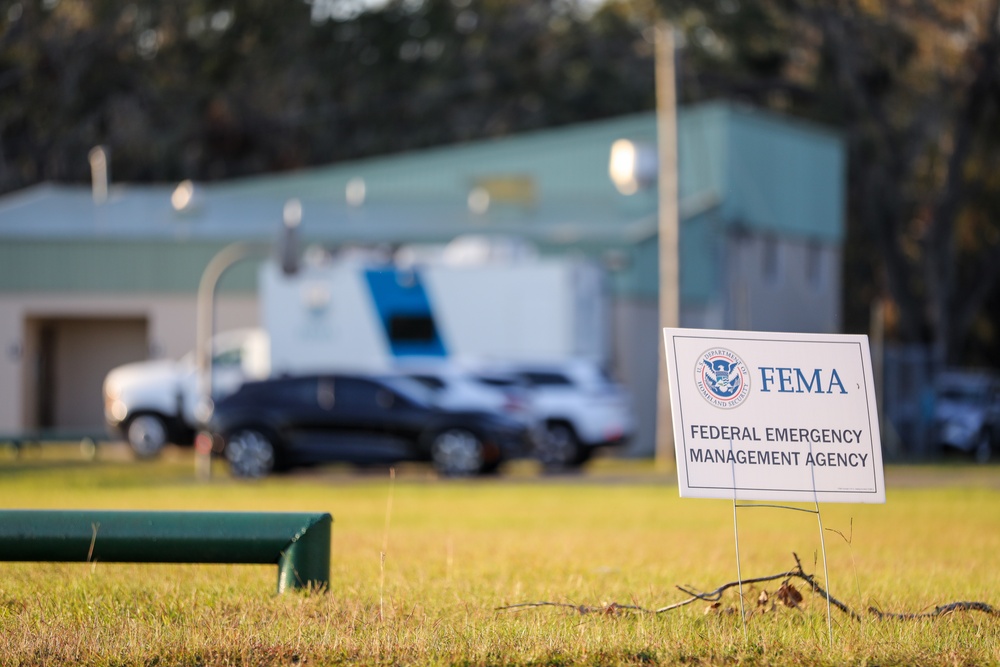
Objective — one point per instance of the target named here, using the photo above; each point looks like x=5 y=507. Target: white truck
x=359 y=315
x=152 y=403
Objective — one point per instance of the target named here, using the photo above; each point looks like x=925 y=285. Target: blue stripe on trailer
x=405 y=312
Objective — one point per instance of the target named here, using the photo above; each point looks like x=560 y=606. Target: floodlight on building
x=632 y=166
x=356 y=191
x=292 y=213
x=479 y=200
x=99 y=173
x=182 y=196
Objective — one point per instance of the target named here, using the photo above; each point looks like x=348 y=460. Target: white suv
x=460 y=387
x=581 y=409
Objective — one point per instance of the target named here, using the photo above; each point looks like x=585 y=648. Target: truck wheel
x=558 y=448
x=250 y=453
x=457 y=452
x=147 y=435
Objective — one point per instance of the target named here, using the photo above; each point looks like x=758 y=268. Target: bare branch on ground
x=796 y=573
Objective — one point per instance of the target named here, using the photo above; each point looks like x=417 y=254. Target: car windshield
x=429 y=381
x=962 y=394
x=498 y=381
x=545 y=379
x=410 y=389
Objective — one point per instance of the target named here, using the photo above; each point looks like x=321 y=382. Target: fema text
x=777 y=458
x=777 y=434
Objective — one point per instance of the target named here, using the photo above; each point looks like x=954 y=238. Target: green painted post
x=306 y=561
x=299 y=543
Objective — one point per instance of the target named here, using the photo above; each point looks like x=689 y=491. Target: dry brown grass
x=458 y=550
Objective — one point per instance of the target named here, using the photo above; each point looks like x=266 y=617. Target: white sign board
x=774 y=416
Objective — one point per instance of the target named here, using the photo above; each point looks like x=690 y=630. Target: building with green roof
x=89 y=280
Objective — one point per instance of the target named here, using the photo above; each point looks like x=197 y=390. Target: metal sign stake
x=822 y=542
x=826 y=574
x=736 y=535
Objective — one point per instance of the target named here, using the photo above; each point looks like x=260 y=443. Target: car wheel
x=457 y=453
x=984 y=448
x=250 y=453
x=559 y=448
x=146 y=435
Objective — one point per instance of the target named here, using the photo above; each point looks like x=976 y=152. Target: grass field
x=455 y=551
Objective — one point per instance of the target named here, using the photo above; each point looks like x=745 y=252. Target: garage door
x=74 y=356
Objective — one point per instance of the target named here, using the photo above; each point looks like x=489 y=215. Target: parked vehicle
x=457 y=386
x=281 y=423
x=580 y=407
x=366 y=315
x=153 y=403
x=363 y=314
x=967 y=413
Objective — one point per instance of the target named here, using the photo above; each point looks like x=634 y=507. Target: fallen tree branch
x=612 y=608
x=809 y=579
x=940 y=610
x=716 y=595
x=796 y=573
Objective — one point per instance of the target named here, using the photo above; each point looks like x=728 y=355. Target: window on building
x=814 y=265
x=771 y=259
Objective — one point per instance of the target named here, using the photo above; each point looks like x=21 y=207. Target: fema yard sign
x=774 y=416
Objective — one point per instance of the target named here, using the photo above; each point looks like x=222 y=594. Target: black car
x=286 y=422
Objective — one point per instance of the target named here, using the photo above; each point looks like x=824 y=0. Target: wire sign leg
x=826 y=573
x=739 y=574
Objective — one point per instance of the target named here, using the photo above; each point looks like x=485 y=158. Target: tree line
x=212 y=89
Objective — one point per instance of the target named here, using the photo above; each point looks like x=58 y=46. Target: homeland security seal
x=722 y=378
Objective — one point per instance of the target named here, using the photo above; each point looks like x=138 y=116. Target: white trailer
x=352 y=315
x=321 y=318
x=545 y=310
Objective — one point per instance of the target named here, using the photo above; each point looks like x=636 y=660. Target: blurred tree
x=915 y=88
x=209 y=89
x=426 y=73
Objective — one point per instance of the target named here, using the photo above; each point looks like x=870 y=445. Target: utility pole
x=669 y=288
x=288 y=257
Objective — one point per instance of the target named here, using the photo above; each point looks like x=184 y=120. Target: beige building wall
x=169 y=322
x=636 y=342
x=782 y=284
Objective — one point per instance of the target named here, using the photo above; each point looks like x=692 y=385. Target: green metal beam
x=298 y=543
